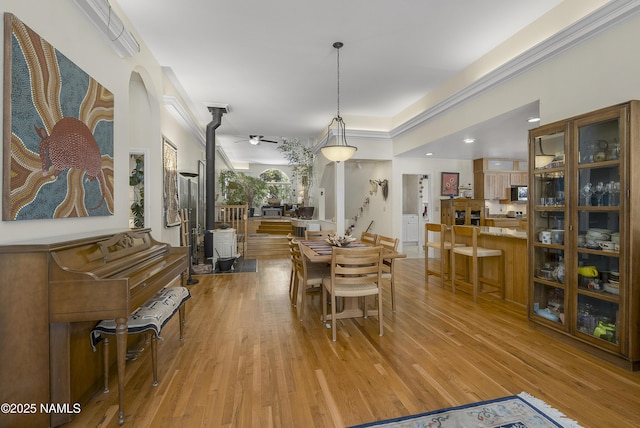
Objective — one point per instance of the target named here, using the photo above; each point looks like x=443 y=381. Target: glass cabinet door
x=548 y=201
x=584 y=271
x=598 y=232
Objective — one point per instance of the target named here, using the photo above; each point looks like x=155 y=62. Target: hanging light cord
x=338 y=45
x=540 y=143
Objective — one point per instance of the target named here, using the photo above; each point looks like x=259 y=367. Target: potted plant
x=241 y=189
x=136 y=180
x=301 y=159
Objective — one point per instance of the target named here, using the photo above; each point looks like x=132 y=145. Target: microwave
x=519 y=193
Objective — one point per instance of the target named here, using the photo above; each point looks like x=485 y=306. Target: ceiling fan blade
x=269 y=141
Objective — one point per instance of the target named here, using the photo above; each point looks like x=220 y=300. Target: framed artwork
x=58 y=133
x=201 y=195
x=449 y=182
x=170 y=183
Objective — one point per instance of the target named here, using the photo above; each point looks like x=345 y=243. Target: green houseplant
x=301 y=159
x=136 y=180
x=240 y=188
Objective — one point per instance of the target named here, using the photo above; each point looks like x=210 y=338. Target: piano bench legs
x=148 y=318
x=154 y=351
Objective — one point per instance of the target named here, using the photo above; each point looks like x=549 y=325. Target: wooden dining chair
x=474 y=254
x=355 y=272
x=295 y=257
x=389 y=244
x=435 y=238
x=369 y=238
x=309 y=279
x=317 y=234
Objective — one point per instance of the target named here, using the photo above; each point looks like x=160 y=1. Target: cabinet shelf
x=549 y=282
x=598 y=251
x=603 y=295
x=580 y=223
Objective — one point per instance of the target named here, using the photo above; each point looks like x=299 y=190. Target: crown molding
x=175 y=107
x=110 y=26
x=597 y=22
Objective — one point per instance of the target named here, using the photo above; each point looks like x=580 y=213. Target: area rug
x=241 y=265
x=517 y=411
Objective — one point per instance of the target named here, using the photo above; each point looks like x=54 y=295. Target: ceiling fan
x=257 y=139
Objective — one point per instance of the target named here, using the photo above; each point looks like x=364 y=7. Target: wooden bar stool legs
x=438 y=242
x=474 y=256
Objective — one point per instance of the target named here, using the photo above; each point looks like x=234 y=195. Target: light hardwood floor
x=247 y=361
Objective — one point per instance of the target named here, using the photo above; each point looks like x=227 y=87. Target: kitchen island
x=513 y=243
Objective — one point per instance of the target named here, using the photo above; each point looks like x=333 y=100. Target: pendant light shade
x=341 y=150
x=542 y=160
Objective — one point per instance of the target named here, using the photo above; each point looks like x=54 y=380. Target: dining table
x=319 y=251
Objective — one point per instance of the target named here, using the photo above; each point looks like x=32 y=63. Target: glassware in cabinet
x=548 y=297
x=549 y=303
x=593 y=168
x=599 y=186
x=599 y=141
x=598 y=319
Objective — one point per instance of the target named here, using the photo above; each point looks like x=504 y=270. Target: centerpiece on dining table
x=339 y=241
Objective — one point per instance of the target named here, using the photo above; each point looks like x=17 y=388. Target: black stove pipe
x=210 y=176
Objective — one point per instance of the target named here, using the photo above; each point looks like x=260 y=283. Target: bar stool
x=474 y=253
x=441 y=244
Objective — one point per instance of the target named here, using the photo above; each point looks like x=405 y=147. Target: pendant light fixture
x=542 y=160
x=341 y=150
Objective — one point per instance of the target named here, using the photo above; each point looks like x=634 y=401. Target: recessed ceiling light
x=469 y=140
x=428 y=154
x=533 y=119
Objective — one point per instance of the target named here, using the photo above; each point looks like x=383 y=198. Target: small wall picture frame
x=450 y=184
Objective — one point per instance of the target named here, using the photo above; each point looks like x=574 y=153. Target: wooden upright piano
x=52 y=294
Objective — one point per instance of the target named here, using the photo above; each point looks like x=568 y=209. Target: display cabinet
x=462 y=211
x=583 y=259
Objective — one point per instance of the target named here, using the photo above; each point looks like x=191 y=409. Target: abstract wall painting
x=58 y=133
x=170 y=183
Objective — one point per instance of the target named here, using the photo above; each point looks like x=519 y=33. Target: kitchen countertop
x=503 y=231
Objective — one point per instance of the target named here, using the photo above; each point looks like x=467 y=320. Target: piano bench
x=150 y=317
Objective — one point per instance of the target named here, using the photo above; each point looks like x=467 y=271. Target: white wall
x=431 y=167
x=358 y=191
x=597 y=73
x=140 y=120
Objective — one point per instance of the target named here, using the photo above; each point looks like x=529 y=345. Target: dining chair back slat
x=317 y=234
x=388 y=265
x=369 y=238
x=310 y=276
x=355 y=272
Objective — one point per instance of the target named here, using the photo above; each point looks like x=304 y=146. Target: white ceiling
x=273 y=62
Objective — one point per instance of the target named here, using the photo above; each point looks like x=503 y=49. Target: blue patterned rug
x=517 y=411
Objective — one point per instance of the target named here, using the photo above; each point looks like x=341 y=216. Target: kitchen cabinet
x=511 y=223
x=493 y=177
x=583 y=259
x=518 y=179
x=410 y=228
x=462 y=211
